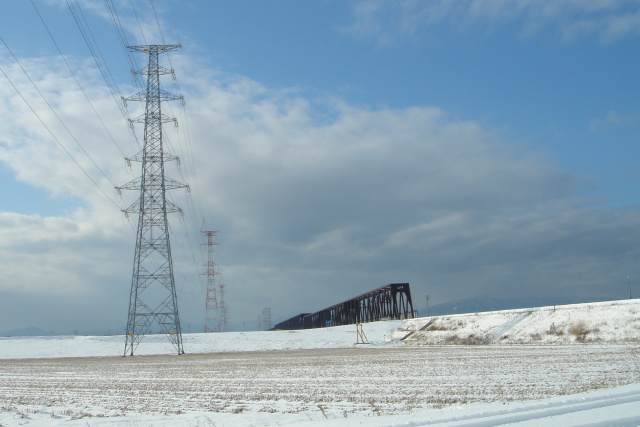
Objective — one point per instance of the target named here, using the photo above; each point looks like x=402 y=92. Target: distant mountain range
x=27 y=332
x=32 y=331
x=480 y=304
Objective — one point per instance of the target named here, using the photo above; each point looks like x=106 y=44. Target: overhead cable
x=55 y=138
x=76 y=79
x=54 y=112
x=100 y=64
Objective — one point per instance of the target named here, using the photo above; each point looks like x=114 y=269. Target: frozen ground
x=323 y=378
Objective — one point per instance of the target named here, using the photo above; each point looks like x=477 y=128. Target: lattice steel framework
x=265 y=321
x=392 y=301
x=212 y=313
x=153 y=297
x=222 y=306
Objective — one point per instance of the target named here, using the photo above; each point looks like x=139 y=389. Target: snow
x=531 y=374
x=379 y=333
x=603 y=322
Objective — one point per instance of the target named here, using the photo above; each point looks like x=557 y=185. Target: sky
x=478 y=148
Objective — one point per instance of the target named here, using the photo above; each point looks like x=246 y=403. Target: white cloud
x=378 y=195
x=615 y=119
x=310 y=210
x=141 y=22
x=391 y=21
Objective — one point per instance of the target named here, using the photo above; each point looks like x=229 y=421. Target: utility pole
x=426 y=296
x=153 y=297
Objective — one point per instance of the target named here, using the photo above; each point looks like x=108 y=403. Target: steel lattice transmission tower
x=153 y=297
x=212 y=313
x=266 y=318
x=222 y=307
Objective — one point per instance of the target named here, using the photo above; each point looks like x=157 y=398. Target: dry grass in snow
x=611 y=322
x=321 y=384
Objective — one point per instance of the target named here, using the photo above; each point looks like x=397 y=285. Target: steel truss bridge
x=392 y=301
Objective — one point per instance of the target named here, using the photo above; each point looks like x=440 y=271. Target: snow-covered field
x=321 y=377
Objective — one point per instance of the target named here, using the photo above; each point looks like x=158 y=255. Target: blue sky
x=471 y=148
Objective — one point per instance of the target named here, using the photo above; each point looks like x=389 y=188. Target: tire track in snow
x=619 y=409
x=498 y=332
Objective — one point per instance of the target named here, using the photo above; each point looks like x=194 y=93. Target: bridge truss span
x=392 y=301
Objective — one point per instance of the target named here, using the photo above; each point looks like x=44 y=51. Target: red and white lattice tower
x=212 y=313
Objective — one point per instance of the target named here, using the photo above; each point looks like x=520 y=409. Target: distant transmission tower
x=222 y=307
x=212 y=312
x=153 y=291
x=266 y=318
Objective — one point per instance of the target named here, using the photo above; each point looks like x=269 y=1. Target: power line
x=87 y=34
x=54 y=137
x=54 y=112
x=76 y=16
x=76 y=79
x=155 y=14
x=139 y=24
x=95 y=43
x=117 y=24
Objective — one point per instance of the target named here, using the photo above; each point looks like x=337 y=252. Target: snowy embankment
x=611 y=322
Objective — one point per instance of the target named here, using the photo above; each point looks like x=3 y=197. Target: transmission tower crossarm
x=134 y=184
x=162 y=95
x=146 y=48
x=172 y=207
x=160 y=118
x=172 y=184
x=166 y=156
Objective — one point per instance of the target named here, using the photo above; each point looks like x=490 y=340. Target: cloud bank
x=316 y=201
x=391 y=22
